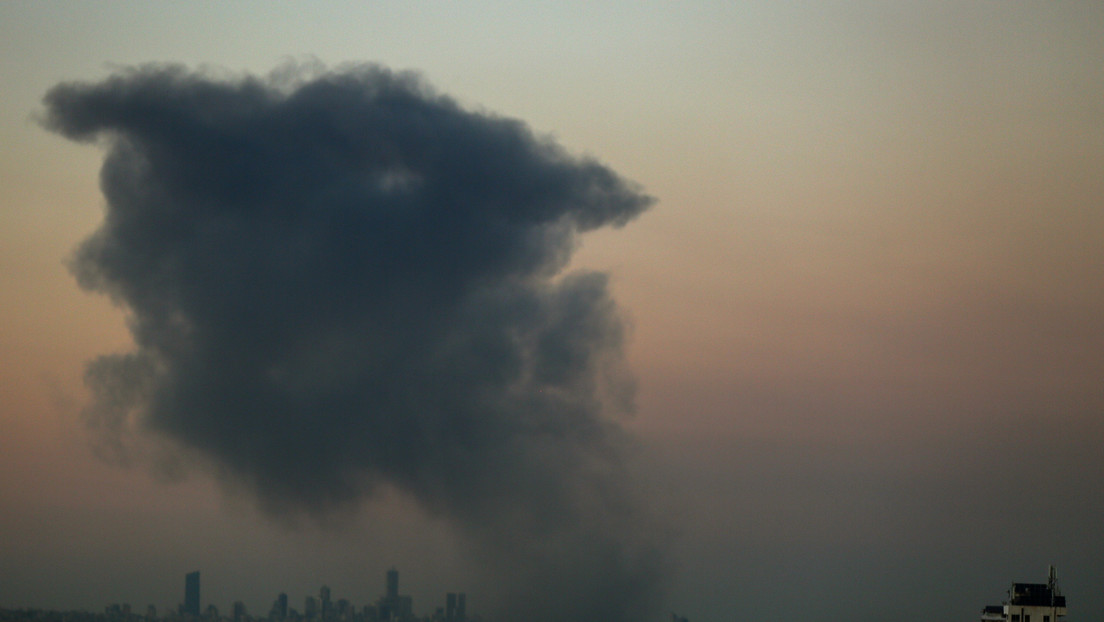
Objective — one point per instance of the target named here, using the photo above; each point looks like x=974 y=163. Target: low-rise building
x=1029 y=602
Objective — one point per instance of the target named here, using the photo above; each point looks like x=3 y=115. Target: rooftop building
x=1029 y=602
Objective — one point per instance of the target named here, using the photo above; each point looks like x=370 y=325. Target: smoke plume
x=337 y=280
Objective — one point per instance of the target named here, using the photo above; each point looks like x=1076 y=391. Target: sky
x=861 y=312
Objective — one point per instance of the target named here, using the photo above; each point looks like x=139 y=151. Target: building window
x=1046 y=618
x=1027 y=617
x=1015 y=617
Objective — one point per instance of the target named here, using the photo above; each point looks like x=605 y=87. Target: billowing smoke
x=342 y=279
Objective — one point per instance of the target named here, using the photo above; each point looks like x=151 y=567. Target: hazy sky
x=866 y=315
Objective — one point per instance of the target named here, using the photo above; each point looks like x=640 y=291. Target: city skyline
x=390 y=606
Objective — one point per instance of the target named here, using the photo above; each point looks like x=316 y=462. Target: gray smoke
x=337 y=280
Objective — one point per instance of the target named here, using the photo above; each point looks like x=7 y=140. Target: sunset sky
x=865 y=311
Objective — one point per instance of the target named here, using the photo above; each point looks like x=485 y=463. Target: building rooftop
x=1035 y=595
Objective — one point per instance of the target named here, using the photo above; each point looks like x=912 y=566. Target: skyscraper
x=390 y=606
x=191 y=594
x=393 y=585
x=280 y=607
x=310 y=608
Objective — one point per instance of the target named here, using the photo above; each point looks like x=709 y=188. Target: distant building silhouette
x=191 y=594
x=390 y=606
x=392 y=584
x=282 y=606
x=455 y=607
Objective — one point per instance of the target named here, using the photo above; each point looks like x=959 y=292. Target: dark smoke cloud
x=337 y=280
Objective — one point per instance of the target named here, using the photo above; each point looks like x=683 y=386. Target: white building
x=1029 y=602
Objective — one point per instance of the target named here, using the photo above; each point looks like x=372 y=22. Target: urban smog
x=570 y=311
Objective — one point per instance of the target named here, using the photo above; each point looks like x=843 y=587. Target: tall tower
x=393 y=585
x=191 y=594
x=281 y=606
x=461 y=607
